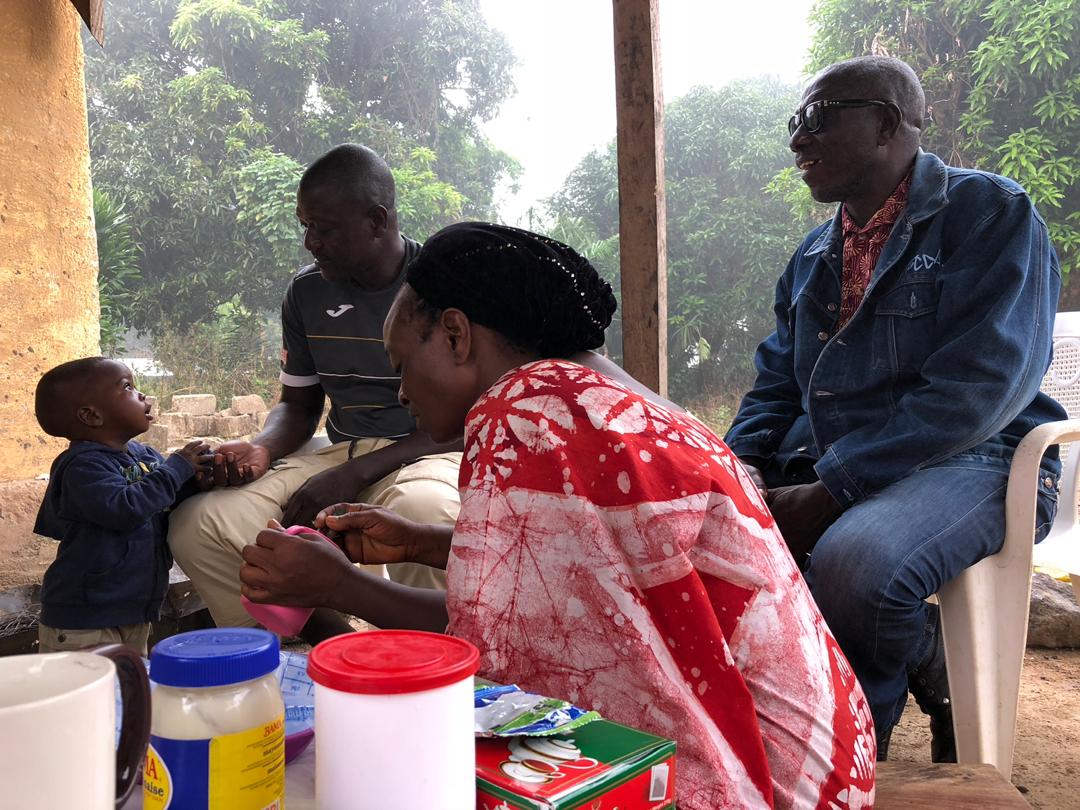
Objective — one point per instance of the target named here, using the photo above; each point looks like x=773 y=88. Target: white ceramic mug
x=58 y=728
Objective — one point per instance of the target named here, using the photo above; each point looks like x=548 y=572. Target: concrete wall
x=48 y=254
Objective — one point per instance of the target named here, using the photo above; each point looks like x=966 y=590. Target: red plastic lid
x=392 y=662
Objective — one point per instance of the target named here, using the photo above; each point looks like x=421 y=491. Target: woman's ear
x=458 y=330
x=89 y=416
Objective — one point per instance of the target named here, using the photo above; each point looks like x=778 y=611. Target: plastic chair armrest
x=1020 y=498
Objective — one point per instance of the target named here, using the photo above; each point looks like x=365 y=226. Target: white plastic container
x=394 y=721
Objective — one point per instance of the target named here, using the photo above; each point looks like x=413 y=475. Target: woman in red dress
x=610 y=549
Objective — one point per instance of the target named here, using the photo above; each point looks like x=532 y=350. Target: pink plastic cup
x=282 y=619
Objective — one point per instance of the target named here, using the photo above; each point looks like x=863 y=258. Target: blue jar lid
x=215 y=657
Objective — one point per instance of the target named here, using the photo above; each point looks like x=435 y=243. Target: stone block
x=250 y=403
x=178 y=425
x=195 y=404
x=260 y=419
x=203 y=425
x=157 y=437
x=233 y=427
x=1054 y=620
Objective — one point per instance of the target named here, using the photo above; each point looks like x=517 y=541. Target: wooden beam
x=639 y=103
x=916 y=786
x=93 y=14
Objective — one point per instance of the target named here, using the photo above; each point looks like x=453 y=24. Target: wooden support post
x=639 y=102
x=93 y=14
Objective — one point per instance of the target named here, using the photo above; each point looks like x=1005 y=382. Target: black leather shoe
x=883 y=745
x=929 y=685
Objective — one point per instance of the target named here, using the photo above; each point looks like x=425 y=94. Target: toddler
x=107 y=504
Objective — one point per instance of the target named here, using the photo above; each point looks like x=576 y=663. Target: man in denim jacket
x=912 y=333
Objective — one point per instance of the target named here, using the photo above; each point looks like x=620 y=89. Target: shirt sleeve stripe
x=297 y=381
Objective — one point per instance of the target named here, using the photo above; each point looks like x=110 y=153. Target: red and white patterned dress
x=614 y=553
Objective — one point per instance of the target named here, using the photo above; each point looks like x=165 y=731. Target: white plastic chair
x=1061 y=548
x=984 y=611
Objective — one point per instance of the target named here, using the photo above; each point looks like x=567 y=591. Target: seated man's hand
x=337 y=485
x=372 y=535
x=285 y=569
x=239 y=462
x=756 y=477
x=803 y=512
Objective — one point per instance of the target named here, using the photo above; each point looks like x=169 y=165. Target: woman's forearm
x=388 y=605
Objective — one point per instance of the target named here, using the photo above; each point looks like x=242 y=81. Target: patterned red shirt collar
x=863 y=247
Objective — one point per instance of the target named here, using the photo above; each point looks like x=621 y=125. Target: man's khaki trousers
x=207 y=531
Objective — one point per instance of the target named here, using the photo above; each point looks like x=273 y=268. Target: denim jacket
x=945 y=354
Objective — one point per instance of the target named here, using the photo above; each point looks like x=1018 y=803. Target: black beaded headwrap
x=540 y=294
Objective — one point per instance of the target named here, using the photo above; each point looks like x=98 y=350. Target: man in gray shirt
x=332 y=318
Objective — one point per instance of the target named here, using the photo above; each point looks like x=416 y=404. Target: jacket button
x=831 y=307
x=1049 y=482
x=822 y=335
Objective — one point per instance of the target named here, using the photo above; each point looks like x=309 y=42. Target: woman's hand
x=285 y=569
x=374 y=535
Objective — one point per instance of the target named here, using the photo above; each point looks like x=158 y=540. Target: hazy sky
x=565 y=105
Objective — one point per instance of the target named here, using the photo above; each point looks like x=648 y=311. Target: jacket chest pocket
x=811 y=324
x=905 y=325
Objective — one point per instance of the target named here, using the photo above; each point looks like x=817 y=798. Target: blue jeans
x=874 y=567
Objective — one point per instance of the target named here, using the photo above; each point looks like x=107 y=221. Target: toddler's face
x=123 y=408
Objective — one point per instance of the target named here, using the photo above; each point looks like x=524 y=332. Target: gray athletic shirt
x=332 y=335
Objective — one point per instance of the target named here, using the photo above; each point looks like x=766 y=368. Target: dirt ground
x=1047 y=759
x=1046 y=762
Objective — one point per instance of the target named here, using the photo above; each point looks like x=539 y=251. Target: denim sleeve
x=775 y=402
x=95 y=491
x=994 y=327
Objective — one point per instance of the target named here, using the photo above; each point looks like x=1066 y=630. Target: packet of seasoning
x=509 y=711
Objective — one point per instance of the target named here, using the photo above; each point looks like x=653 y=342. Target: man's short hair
x=889 y=78
x=54 y=404
x=355 y=169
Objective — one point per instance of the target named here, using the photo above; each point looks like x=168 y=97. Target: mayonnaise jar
x=217 y=729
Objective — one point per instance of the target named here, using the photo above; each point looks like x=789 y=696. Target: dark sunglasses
x=812 y=116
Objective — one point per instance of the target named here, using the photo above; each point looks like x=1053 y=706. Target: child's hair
x=53 y=405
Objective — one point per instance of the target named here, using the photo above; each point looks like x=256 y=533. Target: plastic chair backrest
x=1062 y=380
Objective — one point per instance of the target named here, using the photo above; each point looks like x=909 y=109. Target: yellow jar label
x=157 y=784
x=241 y=771
x=247 y=769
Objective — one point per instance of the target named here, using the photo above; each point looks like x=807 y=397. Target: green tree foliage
x=118 y=270
x=728 y=237
x=1001 y=78
x=203 y=113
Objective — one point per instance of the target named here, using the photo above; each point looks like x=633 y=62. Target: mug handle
x=135 y=724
